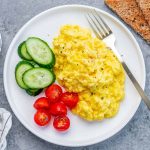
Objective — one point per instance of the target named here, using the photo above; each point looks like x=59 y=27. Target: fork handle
x=132 y=78
x=136 y=85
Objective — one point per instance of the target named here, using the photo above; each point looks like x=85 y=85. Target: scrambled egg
x=86 y=66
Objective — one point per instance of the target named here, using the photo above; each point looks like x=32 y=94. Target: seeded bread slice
x=129 y=11
x=145 y=7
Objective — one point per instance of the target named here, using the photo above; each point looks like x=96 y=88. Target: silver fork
x=103 y=32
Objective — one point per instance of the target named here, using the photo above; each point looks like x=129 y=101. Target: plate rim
x=98 y=139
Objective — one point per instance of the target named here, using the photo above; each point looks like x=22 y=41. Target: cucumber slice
x=34 y=64
x=22 y=51
x=21 y=67
x=40 y=52
x=38 y=78
x=32 y=92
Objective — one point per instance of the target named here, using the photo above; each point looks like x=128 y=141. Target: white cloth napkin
x=5 y=121
x=5 y=125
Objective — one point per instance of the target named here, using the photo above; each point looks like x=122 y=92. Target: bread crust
x=129 y=11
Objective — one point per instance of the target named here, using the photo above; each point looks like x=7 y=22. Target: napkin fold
x=5 y=125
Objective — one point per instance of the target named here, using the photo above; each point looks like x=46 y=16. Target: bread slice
x=129 y=11
x=145 y=7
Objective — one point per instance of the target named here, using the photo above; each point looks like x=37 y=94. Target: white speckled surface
x=136 y=134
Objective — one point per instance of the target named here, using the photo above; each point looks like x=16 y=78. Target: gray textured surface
x=136 y=134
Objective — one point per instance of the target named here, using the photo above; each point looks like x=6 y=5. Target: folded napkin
x=5 y=125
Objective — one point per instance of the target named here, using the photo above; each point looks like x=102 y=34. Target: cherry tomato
x=42 y=117
x=53 y=92
x=70 y=99
x=61 y=123
x=58 y=109
x=42 y=103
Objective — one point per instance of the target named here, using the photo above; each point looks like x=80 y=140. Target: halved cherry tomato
x=61 y=123
x=53 y=92
x=70 y=99
x=42 y=117
x=42 y=103
x=58 y=109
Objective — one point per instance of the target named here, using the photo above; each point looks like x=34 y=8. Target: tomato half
x=70 y=99
x=41 y=103
x=61 y=123
x=53 y=92
x=58 y=109
x=42 y=117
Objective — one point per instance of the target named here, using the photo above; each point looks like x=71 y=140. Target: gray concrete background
x=136 y=134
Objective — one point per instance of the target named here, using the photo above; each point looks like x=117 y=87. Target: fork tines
x=100 y=28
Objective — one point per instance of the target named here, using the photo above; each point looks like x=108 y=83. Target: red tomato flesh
x=58 y=109
x=42 y=103
x=61 y=123
x=53 y=93
x=70 y=99
x=42 y=117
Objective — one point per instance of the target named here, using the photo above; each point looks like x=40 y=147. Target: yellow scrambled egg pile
x=86 y=66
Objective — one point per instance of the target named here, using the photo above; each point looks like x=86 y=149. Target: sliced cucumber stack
x=22 y=51
x=35 y=72
x=21 y=68
x=40 y=52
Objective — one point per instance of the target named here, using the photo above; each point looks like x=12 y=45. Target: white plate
x=46 y=25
